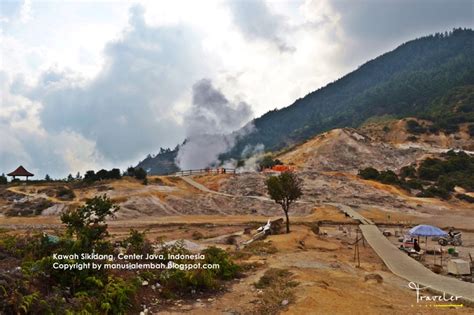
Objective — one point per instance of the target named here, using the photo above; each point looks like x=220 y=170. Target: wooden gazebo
x=19 y=172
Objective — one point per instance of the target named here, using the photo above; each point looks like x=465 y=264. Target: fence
x=214 y=171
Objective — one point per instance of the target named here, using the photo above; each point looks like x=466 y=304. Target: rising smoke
x=212 y=126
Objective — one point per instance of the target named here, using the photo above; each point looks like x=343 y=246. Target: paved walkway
x=408 y=268
x=404 y=266
x=351 y=213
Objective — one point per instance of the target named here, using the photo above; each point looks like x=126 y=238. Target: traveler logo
x=434 y=300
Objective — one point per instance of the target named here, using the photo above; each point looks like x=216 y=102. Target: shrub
x=434 y=191
x=261 y=248
x=65 y=193
x=197 y=235
x=465 y=198
x=115 y=297
x=408 y=171
x=369 y=173
x=446 y=182
x=430 y=169
x=227 y=268
x=87 y=223
x=137 y=243
x=414 y=127
x=277 y=285
x=415 y=184
x=270 y=276
x=388 y=177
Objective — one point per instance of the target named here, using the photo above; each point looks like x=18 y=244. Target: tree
x=47 y=178
x=131 y=171
x=284 y=190
x=3 y=179
x=90 y=176
x=87 y=223
x=102 y=174
x=114 y=174
x=70 y=178
x=140 y=173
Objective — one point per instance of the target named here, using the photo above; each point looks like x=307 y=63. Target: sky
x=101 y=84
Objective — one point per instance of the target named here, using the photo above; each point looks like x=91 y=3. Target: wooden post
x=358 y=256
x=355 y=245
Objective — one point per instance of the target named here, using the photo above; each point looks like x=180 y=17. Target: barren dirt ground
x=329 y=282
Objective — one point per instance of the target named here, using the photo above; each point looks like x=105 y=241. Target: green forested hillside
x=421 y=78
x=162 y=163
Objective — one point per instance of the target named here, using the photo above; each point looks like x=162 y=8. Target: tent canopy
x=426 y=230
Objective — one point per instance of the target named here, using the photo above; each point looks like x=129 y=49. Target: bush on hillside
x=369 y=173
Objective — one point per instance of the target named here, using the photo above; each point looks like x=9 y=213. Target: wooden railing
x=214 y=171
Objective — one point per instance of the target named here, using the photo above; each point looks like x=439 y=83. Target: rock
x=210 y=300
x=373 y=277
x=145 y=283
x=187 y=307
x=335 y=265
x=284 y=302
x=322 y=284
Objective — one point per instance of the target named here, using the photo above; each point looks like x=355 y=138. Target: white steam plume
x=211 y=126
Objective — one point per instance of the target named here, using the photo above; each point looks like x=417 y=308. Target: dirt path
x=203 y=188
x=16 y=190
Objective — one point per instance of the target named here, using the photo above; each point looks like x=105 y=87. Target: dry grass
x=277 y=286
x=260 y=248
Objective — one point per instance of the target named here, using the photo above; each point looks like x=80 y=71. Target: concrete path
x=408 y=268
x=351 y=213
x=404 y=266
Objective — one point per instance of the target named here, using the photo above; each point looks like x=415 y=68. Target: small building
x=20 y=172
x=277 y=169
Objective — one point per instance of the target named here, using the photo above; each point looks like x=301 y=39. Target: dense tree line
x=92 y=176
x=432 y=177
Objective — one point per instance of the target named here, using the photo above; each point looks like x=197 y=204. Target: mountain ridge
x=425 y=78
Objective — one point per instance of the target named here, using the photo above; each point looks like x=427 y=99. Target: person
x=451 y=232
x=416 y=246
